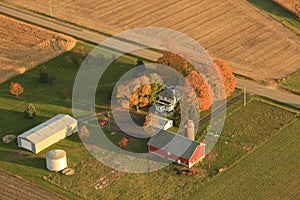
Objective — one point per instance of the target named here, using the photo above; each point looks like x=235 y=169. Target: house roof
x=175 y=144
x=47 y=128
x=167 y=94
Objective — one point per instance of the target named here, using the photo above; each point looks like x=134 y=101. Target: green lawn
x=292 y=82
x=278 y=13
x=269 y=172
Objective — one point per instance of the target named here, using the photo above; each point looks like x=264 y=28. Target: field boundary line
x=271 y=102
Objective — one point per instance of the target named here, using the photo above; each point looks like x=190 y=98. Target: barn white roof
x=48 y=128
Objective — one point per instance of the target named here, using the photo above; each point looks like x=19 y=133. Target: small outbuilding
x=177 y=148
x=56 y=160
x=47 y=133
x=160 y=122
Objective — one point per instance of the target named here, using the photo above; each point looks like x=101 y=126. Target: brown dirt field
x=24 y=46
x=291 y=5
x=13 y=187
x=252 y=42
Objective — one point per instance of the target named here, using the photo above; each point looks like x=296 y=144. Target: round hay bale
x=68 y=171
x=7 y=139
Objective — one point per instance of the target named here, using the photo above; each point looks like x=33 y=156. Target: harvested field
x=12 y=187
x=24 y=46
x=252 y=42
x=291 y=5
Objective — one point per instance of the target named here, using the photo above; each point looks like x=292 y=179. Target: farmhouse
x=47 y=133
x=167 y=100
x=177 y=148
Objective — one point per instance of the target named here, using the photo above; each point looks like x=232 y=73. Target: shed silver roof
x=48 y=128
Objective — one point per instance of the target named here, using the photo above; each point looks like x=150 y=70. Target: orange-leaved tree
x=135 y=93
x=201 y=90
x=202 y=87
x=176 y=62
x=228 y=78
x=16 y=89
x=123 y=143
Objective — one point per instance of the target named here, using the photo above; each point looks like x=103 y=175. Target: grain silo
x=190 y=130
x=56 y=160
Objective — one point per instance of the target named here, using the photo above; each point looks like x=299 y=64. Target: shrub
x=139 y=62
x=79 y=61
x=84 y=132
x=123 y=143
x=80 y=50
x=66 y=93
x=15 y=89
x=69 y=61
x=30 y=111
x=45 y=77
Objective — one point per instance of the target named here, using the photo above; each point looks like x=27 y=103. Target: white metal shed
x=47 y=133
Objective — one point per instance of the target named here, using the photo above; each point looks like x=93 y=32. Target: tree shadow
x=21 y=157
x=274 y=9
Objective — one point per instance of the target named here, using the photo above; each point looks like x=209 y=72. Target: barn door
x=25 y=144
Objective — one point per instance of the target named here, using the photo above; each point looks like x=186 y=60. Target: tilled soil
x=13 y=187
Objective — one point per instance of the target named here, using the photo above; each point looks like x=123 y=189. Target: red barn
x=177 y=148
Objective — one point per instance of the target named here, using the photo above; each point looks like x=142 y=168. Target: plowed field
x=24 y=46
x=254 y=43
x=12 y=187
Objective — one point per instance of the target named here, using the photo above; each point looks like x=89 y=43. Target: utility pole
x=50 y=9
x=126 y=29
x=245 y=97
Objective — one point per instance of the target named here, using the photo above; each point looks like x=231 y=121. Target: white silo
x=190 y=130
x=56 y=160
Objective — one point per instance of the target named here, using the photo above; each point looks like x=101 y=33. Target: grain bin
x=56 y=160
x=190 y=130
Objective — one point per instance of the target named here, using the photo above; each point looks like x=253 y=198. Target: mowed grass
x=279 y=13
x=292 y=82
x=269 y=172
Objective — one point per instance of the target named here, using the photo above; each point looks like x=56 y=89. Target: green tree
x=43 y=74
x=177 y=115
x=30 y=111
x=139 y=62
x=69 y=61
x=157 y=85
